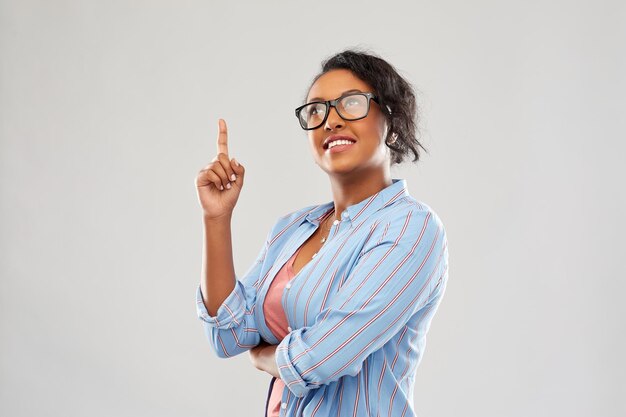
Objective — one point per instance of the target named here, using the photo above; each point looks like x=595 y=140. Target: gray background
x=109 y=109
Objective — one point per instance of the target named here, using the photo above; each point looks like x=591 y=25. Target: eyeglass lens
x=350 y=107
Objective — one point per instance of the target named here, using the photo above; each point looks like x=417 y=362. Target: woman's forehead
x=334 y=83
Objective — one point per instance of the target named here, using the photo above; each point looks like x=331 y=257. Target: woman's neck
x=349 y=191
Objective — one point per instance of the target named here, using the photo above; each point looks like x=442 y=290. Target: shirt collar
x=363 y=209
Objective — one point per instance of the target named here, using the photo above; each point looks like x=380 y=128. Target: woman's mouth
x=340 y=145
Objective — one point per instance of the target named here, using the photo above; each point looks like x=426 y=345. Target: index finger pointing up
x=222 y=138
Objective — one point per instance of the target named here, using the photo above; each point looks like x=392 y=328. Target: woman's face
x=368 y=152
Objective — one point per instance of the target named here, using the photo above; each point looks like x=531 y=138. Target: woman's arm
x=218 y=271
x=223 y=303
x=231 y=328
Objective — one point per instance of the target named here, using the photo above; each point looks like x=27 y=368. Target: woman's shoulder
x=410 y=204
x=411 y=216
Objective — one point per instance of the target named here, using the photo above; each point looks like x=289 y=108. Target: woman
x=337 y=305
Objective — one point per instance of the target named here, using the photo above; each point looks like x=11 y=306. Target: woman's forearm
x=218 y=271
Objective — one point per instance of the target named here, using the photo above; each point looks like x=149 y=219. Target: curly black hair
x=395 y=94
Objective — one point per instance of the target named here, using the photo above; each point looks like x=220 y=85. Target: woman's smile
x=338 y=143
x=339 y=146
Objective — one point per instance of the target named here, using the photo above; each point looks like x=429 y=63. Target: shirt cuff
x=287 y=371
x=229 y=314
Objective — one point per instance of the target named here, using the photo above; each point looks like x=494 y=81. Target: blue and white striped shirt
x=358 y=311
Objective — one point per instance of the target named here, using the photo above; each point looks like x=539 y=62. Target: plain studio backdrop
x=109 y=109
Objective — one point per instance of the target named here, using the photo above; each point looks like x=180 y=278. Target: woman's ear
x=391 y=138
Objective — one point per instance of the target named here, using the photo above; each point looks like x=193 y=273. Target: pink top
x=277 y=322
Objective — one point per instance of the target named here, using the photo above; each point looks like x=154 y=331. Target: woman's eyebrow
x=354 y=90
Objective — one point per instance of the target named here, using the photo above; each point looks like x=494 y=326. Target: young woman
x=337 y=305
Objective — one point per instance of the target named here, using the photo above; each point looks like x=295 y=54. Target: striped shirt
x=358 y=311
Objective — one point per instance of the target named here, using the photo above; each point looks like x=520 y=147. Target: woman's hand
x=263 y=357
x=220 y=182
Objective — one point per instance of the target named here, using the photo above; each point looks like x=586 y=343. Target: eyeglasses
x=353 y=106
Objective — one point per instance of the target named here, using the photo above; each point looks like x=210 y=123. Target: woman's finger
x=225 y=162
x=222 y=138
x=219 y=170
x=215 y=179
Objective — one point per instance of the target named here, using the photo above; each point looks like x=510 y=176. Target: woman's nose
x=333 y=121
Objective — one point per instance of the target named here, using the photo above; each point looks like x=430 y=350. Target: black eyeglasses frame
x=333 y=103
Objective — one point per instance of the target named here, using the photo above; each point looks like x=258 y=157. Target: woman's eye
x=315 y=110
x=351 y=101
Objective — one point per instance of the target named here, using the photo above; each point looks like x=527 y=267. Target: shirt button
x=283 y=406
x=345 y=214
x=289 y=328
x=336 y=222
x=288 y=285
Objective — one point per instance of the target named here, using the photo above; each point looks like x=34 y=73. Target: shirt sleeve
x=233 y=329
x=395 y=276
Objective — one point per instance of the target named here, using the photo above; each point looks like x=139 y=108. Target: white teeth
x=339 y=142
